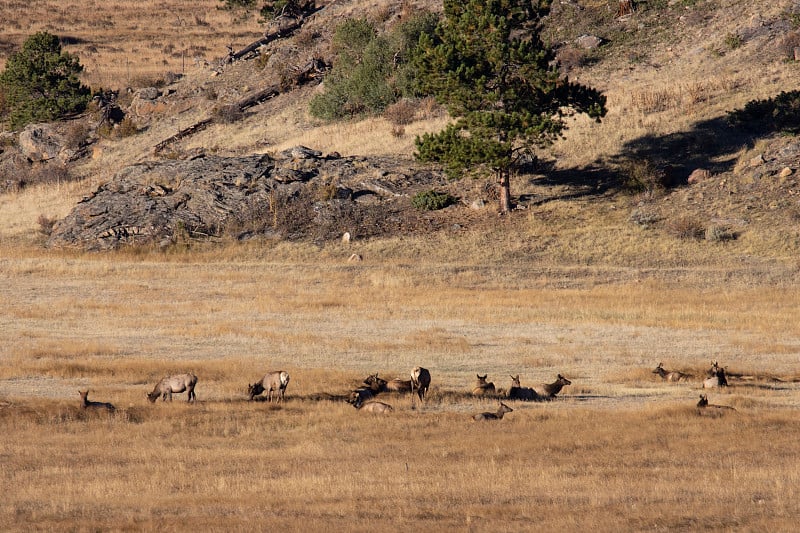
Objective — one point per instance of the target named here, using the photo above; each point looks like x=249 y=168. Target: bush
x=779 y=114
x=432 y=200
x=370 y=71
x=642 y=176
x=41 y=84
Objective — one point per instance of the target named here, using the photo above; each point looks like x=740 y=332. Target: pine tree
x=40 y=82
x=487 y=64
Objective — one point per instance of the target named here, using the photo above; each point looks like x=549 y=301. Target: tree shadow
x=712 y=144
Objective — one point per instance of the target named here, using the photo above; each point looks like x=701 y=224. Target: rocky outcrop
x=295 y=194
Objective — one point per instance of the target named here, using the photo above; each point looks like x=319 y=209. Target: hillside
x=671 y=70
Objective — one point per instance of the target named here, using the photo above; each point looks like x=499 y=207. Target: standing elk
x=551 y=389
x=482 y=387
x=99 y=406
x=276 y=382
x=420 y=382
x=174 y=384
x=503 y=409
x=672 y=377
x=517 y=392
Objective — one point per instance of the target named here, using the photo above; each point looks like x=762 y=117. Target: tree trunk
x=504 y=186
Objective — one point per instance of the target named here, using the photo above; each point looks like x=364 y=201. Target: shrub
x=401 y=113
x=41 y=82
x=431 y=200
x=642 y=176
x=686 y=228
x=778 y=114
x=370 y=71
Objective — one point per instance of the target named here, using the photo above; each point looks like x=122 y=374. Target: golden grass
x=619 y=450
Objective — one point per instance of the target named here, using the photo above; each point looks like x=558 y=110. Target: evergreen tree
x=487 y=64
x=40 y=82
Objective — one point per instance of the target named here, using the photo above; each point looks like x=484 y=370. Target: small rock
x=757 y=160
x=477 y=204
x=786 y=172
x=588 y=41
x=346 y=237
x=698 y=175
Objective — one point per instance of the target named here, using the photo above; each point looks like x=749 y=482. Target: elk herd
x=714 y=378
x=274 y=384
x=363 y=398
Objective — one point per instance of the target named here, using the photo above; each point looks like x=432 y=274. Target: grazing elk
x=374 y=407
x=174 y=384
x=482 y=387
x=717 y=380
x=98 y=406
x=517 y=392
x=551 y=389
x=503 y=409
x=271 y=382
x=420 y=381
x=703 y=404
x=672 y=377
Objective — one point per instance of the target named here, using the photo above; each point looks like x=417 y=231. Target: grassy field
x=570 y=286
x=619 y=449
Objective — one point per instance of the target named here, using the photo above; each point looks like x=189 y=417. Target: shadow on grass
x=712 y=144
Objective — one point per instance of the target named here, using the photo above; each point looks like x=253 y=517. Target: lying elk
x=374 y=407
x=718 y=380
x=673 y=376
x=420 y=381
x=100 y=406
x=359 y=396
x=703 y=404
x=482 y=387
x=174 y=384
x=377 y=384
x=271 y=382
x=551 y=389
x=503 y=409
x=517 y=392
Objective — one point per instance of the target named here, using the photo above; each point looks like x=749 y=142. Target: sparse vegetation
x=569 y=283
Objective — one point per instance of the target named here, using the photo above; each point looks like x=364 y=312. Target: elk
x=398 y=385
x=374 y=407
x=359 y=396
x=375 y=384
x=99 y=406
x=718 y=380
x=482 y=387
x=276 y=382
x=174 y=384
x=420 y=381
x=517 y=392
x=503 y=409
x=671 y=377
x=551 y=389
x=703 y=404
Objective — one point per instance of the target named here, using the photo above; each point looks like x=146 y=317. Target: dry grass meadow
x=569 y=287
x=619 y=450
